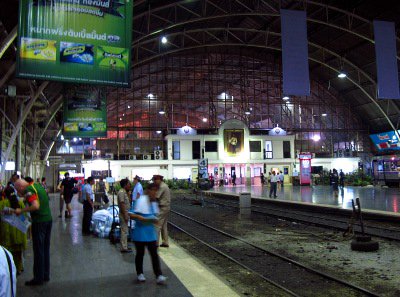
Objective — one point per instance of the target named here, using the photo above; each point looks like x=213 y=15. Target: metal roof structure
x=222 y=60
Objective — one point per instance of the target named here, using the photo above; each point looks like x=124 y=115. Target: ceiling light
x=247 y=112
x=62 y=137
x=342 y=74
x=80 y=139
x=161 y=111
x=150 y=96
x=285 y=98
x=129 y=106
x=158 y=131
x=164 y=40
x=316 y=138
x=205 y=120
x=120 y=119
x=324 y=114
x=74 y=139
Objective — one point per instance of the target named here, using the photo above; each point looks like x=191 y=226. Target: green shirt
x=37 y=192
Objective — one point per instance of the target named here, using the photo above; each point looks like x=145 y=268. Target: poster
x=81 y=41
x=203 y=169
x=233 y=142
x=386 y=141
x=85 y=112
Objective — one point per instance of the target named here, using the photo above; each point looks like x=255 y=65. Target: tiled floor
x=374 y=198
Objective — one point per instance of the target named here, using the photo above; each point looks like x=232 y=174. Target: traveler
x=88 y=196
x=38 y=206
x=124 y=205
x=262 y=178
x=281 y=178
x=164 y=203
x=8 y=277
x=234 y=179
x=67 y=187
x=145 y=233
x=341 y=178
x=44 y=184
x=335 y=182
x=274 y=180
x=137 y=189
x=10 y=237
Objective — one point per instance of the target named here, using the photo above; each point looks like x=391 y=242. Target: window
x=195 y=149
x=176 y=149
x=268 y=150
x=211 y=146
x=286 y=149
x=255 y=146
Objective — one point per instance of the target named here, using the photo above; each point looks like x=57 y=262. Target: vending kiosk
x=305 y=168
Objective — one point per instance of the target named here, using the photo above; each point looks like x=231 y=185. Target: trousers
x=162 y=225
x=272 y=190
x=124 y=233
x=41 y=250
x=155 y=261
x=87 y=217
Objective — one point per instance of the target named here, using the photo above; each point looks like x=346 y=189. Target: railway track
x=294 y=278
x=317 y=219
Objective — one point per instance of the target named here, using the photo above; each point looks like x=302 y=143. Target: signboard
x=203 y=169
x=82 y=41
x=85 y=112
x=233 y=142
x=186 y=130
x=386 y=141
x=277 y=131
x=305 y=168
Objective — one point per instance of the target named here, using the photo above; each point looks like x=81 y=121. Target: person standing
x=281 y=178
x=8 y=275
x=335 y=182
x=274 y=180
x=10 y=237
x=44 y=184
x=38 y=206
x=123 y=204
x=137 y=189
x=262 y=178
x=233 y=179
x=164 y=202
x=67 y=187
x=341 y=178
x=88 y=196
x=145 y=233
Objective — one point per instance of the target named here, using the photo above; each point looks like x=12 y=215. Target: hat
x=137 y=177
x=157 y=176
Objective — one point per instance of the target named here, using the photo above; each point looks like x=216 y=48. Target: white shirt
x=87 y=189
x=274 y=178
x=5 y=283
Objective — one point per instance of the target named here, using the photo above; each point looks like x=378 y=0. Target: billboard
x=386 y=141
x=81 y=41
x=85 y=112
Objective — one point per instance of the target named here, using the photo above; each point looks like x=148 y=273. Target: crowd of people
x=29 y=201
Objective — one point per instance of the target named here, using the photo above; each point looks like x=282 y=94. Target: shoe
x=275 y=196
x=161 y=280
x=127 y=251
x=33 y=283
x=141 y=278
x=164 y=245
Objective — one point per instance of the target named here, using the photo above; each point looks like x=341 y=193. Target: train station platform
x=91 y=266
x=373 y=199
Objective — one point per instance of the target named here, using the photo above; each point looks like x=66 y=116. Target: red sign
x=305 y=168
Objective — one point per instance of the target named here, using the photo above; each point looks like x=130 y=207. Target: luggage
x=115 y=233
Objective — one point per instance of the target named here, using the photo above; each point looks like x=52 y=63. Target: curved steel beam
x=8 y=41
x=53 y=111
x=13 y=137
x=174 y=51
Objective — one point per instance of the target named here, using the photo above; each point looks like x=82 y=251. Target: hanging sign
x=82 y=41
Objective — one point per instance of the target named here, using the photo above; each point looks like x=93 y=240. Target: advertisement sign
x=203 y=169
x=233 y=142
x=82 y=41
x=85 y=112
x=386 y=141
x=305 y=168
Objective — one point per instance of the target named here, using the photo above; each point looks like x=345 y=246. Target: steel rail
x=312 y=270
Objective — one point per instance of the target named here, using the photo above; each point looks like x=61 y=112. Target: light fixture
x=158 y=131
x=62 y=137
x=80 y=139
x=150 y=96
x=342 y=74
x=123 y=114
x=120 y=119
x=285 y=98
x=324 y=114
x=316 y=137
x=164 y=40
x=205 y=120
x=247 y=112
x=162 y=111
x=74 y=139
x=129 y=106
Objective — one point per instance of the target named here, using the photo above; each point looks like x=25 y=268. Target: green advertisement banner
x=81 y=41
x=85 y=112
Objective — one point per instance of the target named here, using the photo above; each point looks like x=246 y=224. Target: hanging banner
x=82 y=41
x=386 y=141
x=85 y=112
x=296 y=78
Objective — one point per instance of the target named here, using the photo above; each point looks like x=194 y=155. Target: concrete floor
x=90 y=266
x=372 y=198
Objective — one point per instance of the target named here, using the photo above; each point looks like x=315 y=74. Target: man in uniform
x=124 y=205
x=38 y=205
x=137 y=189
x=164 y=202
